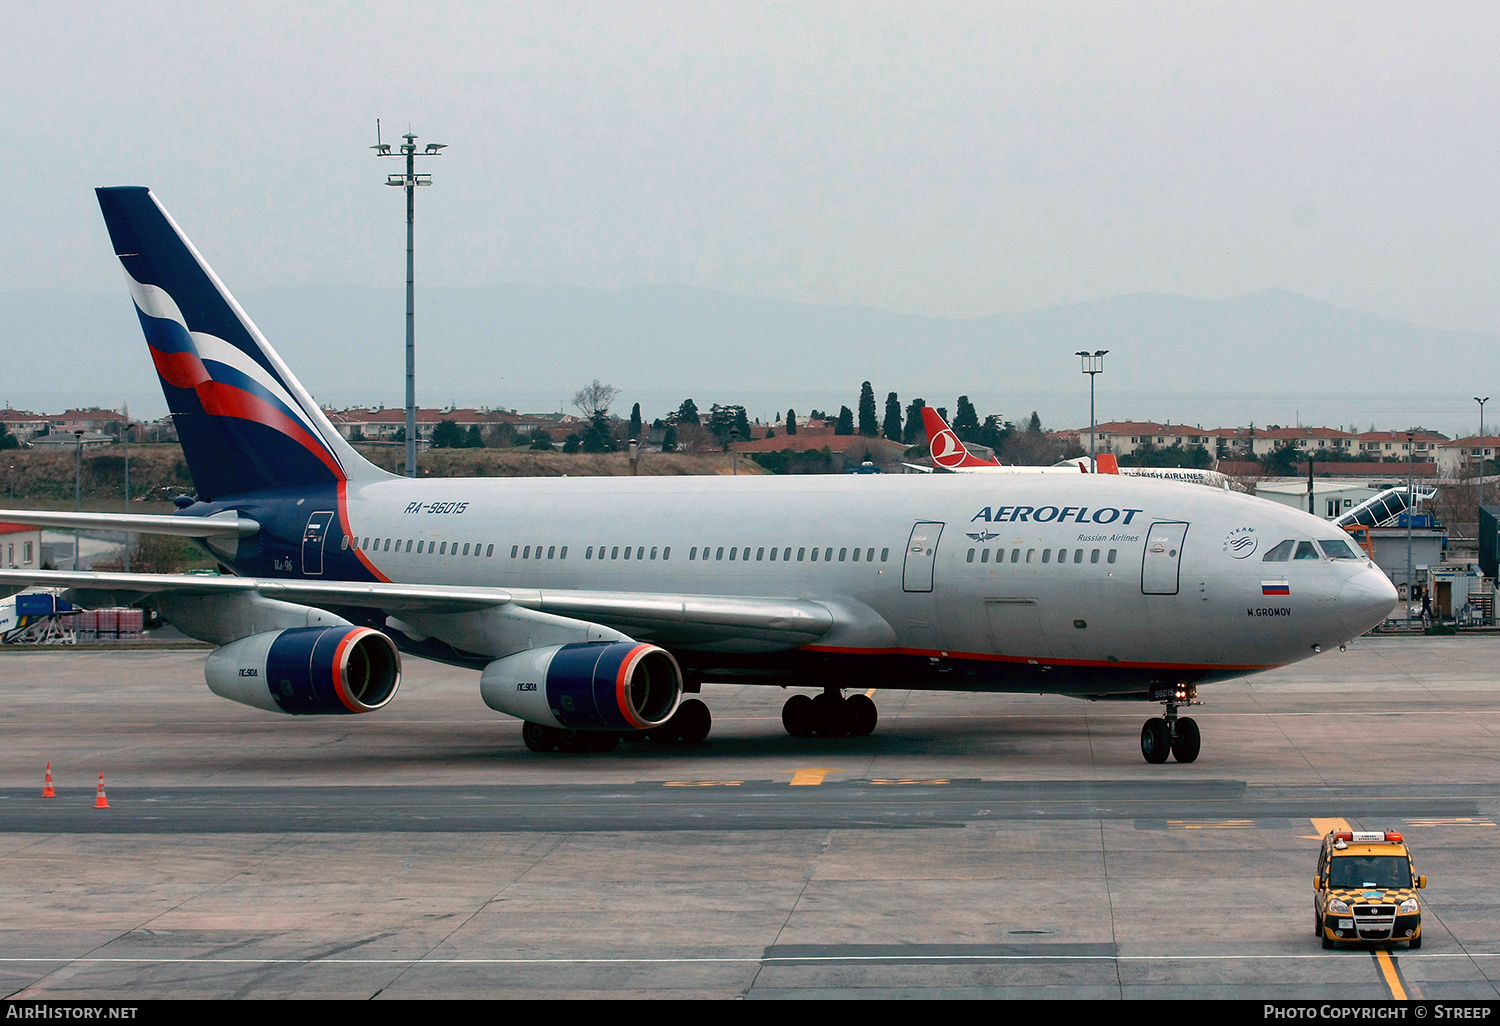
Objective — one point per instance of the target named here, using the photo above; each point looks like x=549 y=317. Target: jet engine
x=308 y=671
x=611 y=685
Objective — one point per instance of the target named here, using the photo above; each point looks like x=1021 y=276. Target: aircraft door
x=313 y=537
x=921 y=551
x=1163 y=559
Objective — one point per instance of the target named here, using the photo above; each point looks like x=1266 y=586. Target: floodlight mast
x=409 y=182
x=1093 y=363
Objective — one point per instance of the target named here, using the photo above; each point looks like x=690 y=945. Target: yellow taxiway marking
x=1461 y=821
x=811 y=777
x=910 y=780
x=1324 y=826
x=703 y=783
x=1211 y=824
x=1388 y=971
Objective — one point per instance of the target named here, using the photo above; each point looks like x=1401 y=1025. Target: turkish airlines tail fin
x=1105 y=463
x=948 y=451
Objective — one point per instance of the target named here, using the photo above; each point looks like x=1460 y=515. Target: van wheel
x=1414 y=943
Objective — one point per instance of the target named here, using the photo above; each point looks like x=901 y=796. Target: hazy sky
x=944 y=159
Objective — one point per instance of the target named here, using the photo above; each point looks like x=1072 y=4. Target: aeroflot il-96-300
x=591 y=606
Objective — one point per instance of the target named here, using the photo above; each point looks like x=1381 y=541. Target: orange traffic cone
x=47 y=791
x=101 y=802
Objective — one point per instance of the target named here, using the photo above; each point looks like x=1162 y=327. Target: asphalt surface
x=974 y=846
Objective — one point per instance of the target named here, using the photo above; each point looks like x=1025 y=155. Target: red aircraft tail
x=948 y=452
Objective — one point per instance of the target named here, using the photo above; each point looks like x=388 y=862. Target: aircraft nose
x=1366 y=599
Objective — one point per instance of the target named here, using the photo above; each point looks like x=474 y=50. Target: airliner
x=595 y=608
x=950 y=454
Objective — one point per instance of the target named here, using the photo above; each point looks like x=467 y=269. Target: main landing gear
x=1169 y=734
x=829 y=715
x=690 y=724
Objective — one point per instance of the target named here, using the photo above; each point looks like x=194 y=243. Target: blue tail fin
x=245 y=422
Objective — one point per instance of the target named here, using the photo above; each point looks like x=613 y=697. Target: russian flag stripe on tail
x=246 y=424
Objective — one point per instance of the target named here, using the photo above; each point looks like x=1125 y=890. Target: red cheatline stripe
x=992 y=658
x=349 y=533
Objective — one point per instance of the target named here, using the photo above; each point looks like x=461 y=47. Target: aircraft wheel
x=1189 y=741
x=797 y=716
x=862 y=715
x=1155 y=743
x=692 y=721
x=830 y=717
x=539 y=738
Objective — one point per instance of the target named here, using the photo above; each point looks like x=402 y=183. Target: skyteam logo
x=1240 y=542
x=227 y=381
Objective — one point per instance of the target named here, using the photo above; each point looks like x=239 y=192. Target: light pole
x=1481 y=403
x=77 y=488
x=127 y=491
x=1093 y=363
x=409 y=181
x=1410 y=501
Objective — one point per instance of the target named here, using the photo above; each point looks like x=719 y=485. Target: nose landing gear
x=1170 y=734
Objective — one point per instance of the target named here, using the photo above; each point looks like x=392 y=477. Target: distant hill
x=346 y=345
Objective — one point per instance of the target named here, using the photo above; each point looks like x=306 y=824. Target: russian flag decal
x=1275 y=588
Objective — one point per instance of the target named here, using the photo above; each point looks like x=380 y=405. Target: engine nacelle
x=308 y=671
x=611 y=685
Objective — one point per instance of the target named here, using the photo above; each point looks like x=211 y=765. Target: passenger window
x=870 y=556
x=1094 y=556
x=563 y=553
x=588 y=553
x=640 y=553
x=786 y=554
x=720 y=553
x=466 y=548
x=760 y=553
x=653 y=552
x=627 y=552
x=1046 y=555
x=666 y=553
x=815 y=555
x=489 y=550
x=443 y=549
x=984 y=557
x=856 y=555
x=550 y=550
x=387 y=547
x=828 y=554
x=614 y=553
x=885 y=555
x=801 y=552
x=842 y=553
x=773 y=553
x=526 y=554
x=732 y=550
x=1305 y=550
x=1078 y=555
x=1280 y=554
x=693 y=552
x=971 y=556
x=1029 y=554
x=1111 y=555
x=344 y=542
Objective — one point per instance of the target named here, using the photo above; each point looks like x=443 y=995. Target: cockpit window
x=1338 y=548
x=1305 y=550
x=1281 y=553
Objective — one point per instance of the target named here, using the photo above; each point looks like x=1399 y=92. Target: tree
x=669 y=439
x=892 y=426
x=687 y=413
x=845 y=426
x=791 y=422
x=447 y=435
x=540 y=439
x=473 y=439
x=867 y=423
x=634 y=429
x=966 y=420
x=724 y=419
x=593 y=400
x=595 y=437
x=914 y=427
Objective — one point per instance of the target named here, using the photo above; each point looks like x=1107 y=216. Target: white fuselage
x=1067 y=571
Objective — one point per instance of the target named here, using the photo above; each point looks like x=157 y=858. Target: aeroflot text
x=1047 y=514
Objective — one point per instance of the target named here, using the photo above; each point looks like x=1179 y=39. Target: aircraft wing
x=690 y=620
x=140 y=523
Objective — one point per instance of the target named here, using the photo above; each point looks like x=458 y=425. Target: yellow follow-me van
x=1366 y=889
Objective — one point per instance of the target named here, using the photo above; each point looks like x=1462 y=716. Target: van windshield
x=1370 y=871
